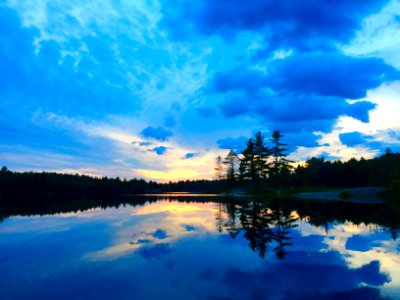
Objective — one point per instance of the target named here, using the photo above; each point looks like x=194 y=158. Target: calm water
x=202 y=249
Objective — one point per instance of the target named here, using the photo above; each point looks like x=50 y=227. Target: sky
x=157 y=89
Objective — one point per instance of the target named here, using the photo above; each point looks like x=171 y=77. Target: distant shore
x=354 y=195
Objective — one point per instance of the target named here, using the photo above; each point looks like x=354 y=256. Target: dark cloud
x=359 y=243
x=190 y=155
x=305 y=91
x=238 y=104
x=302 y=138
x=352 y=138
x=160 y=150
x=143 y=241
x=144 y=144
x=190 y=228
x=360 y=110
x=370 y=274
x=294 y=112
x=308 y=243
x=157 y=133
x=156 y=251
x=160 y=234
x=297 y=24
x=326 y=277
x=318 y=73
x=329 y=74
x=238 y=144
x=238 y=79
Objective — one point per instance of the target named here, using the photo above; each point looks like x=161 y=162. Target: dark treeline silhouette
x=47 y=183
x=381 y=171
x=262 y=165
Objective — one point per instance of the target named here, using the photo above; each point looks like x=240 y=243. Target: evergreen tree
x=247 y=164
x=219 y=168
x=253 y=164
x=231 y=161
x=280 y=165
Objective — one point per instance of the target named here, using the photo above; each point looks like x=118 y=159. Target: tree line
x=259 y=165
x=14 y=184
x=262 y=165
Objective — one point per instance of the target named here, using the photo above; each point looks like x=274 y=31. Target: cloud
x=238 y=144
x=189 y=228
x=326 y=74
x=155 y=251
x=160 y=234
x=294 y=112
x=330 y=74
x=238 y=79
x=302 y=88
x=295 y=277
x=157 y=133
x=160 y=150
x=190 y=155
x=352 y=138
x=359 y=243
x=301 y=25
x=300 y=139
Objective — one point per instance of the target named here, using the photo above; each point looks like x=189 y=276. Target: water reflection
x=263 y=224
x=203 y=248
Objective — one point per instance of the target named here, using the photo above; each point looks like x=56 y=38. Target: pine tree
x=231 y=161
x=253 y=165
x=279 y=164
x=219 y=168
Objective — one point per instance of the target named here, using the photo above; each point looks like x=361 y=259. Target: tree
x=280 y=165
x=253 y=165
x=219 y=168
x=231 y=161
x=262 y=154
x=247 y=163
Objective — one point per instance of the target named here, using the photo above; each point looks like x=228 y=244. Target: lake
x=181 y=246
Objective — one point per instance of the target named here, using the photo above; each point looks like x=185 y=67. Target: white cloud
x=379 y=36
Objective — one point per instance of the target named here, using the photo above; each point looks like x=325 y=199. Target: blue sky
x=158 y=89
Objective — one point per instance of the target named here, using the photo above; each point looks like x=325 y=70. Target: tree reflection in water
x=263 y=223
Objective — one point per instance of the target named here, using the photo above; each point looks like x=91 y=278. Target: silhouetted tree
x=283 y=223
x=255 y=221
x=280 y=165
x=231 y=162
x=254 y=162
x=219 y=168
